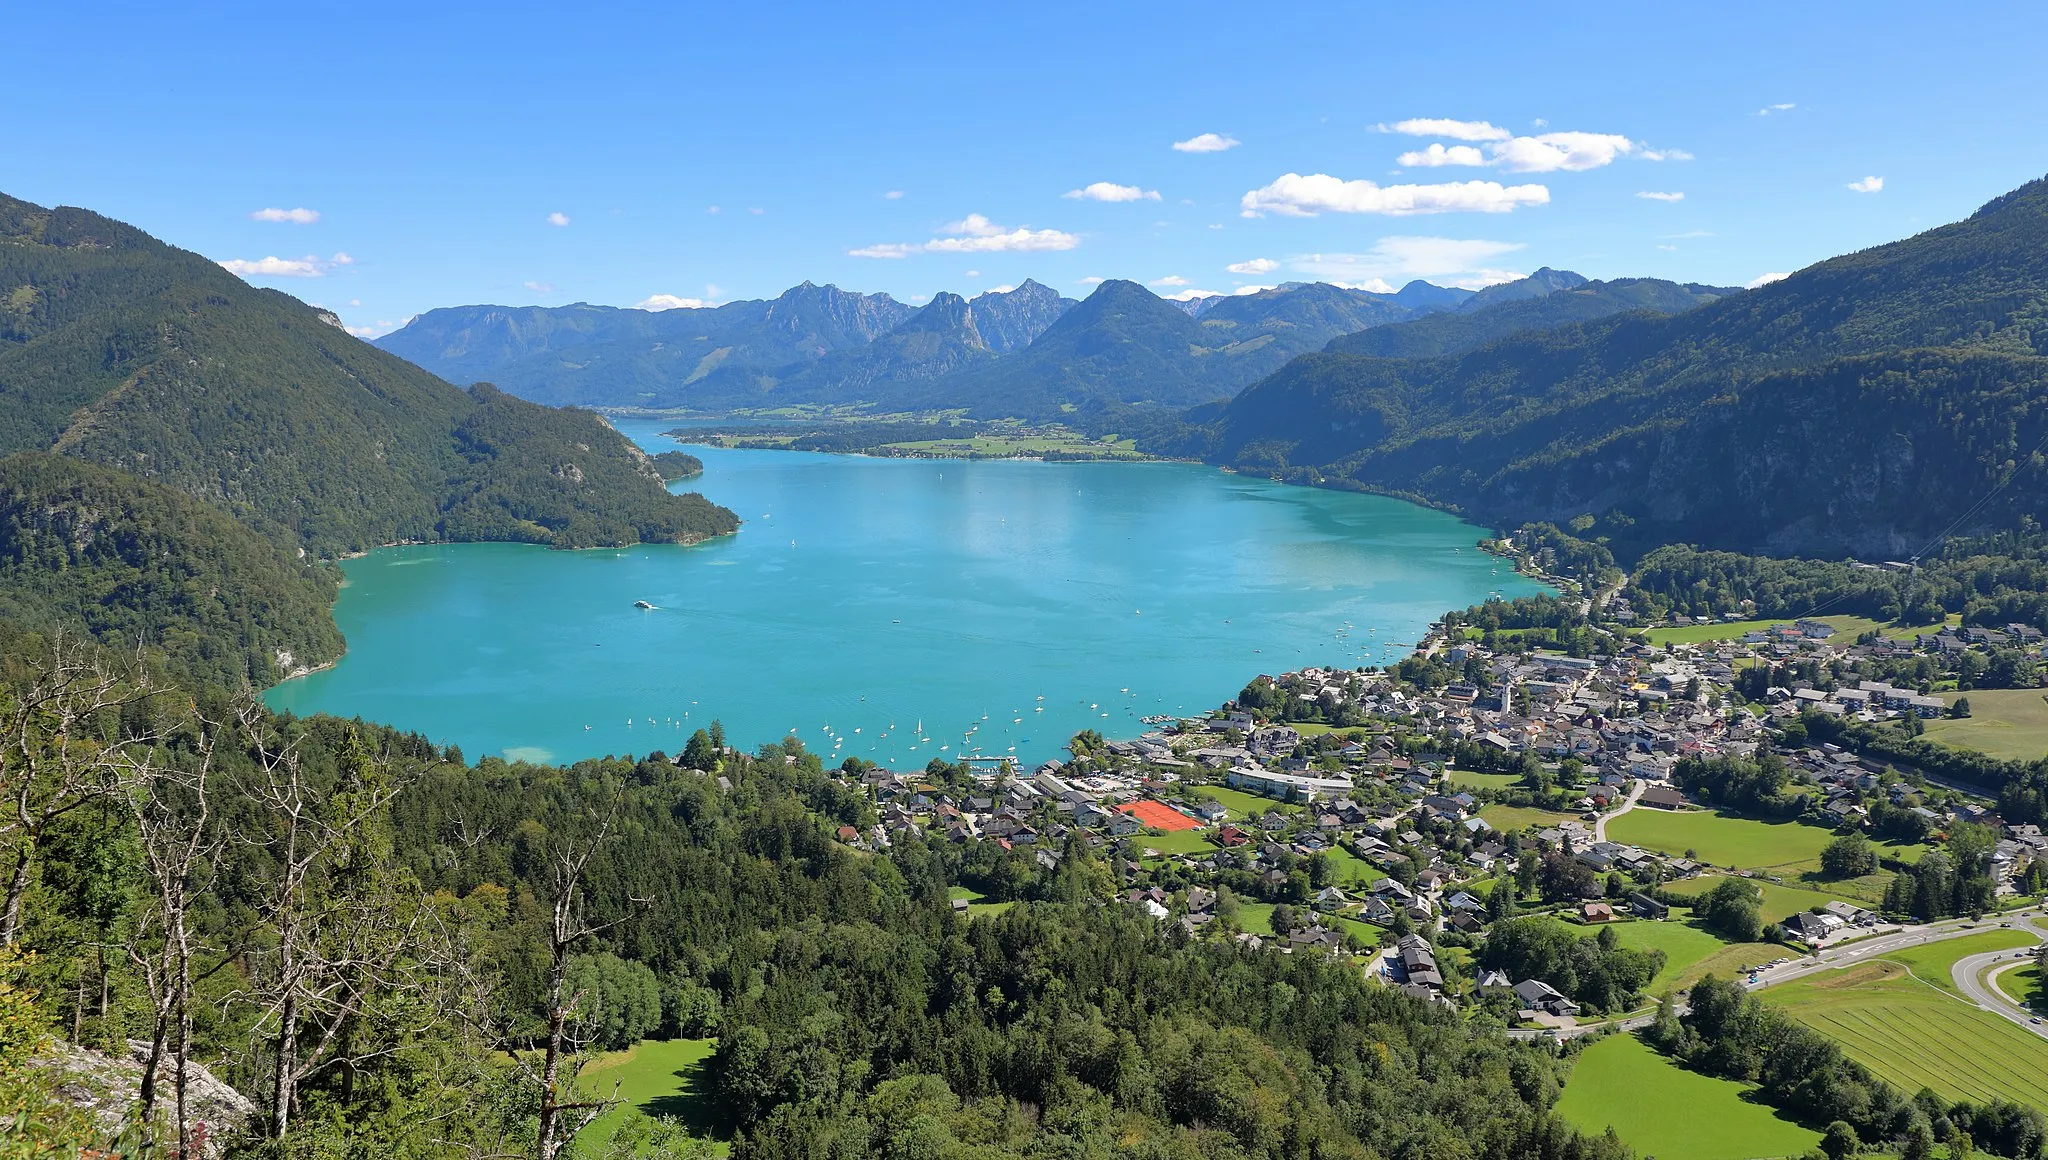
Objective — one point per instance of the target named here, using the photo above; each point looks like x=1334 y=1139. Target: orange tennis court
x=1159 y=816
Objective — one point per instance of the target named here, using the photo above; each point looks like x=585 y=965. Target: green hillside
x=121 y=350
x=127 y=561
x=1807 y=415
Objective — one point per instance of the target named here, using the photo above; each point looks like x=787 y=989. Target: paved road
x=1835 y=958
x=1635 y=794
x=1968 y=976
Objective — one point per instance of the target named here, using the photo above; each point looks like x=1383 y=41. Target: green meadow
x=1660 y=1109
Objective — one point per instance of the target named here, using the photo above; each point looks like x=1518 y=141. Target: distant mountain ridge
x=821 y=344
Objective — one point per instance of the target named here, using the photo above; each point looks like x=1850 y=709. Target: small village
x=1401 y=836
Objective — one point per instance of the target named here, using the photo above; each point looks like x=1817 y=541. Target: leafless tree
x=346 y=929
x=172 y=806
x=64 y=745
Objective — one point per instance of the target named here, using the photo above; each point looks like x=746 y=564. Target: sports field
x=1915 y=1036
x=2008 y=723
x=658 y=1077
x=1662 y=1110
x=1724 y=839
x=1159 y=816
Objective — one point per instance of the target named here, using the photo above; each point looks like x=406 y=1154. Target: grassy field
x=657 y=1077
x=1780 y=902
x=1243 y=806
x=1256 y=917
x=1508 y=819
x=1915 y=1036
x=2023 y=986
x=975 y=905
x=1847 y=629
x=1662 y=1110
x=1177 y=842
x=1687 y=949
x=1723 y=839
x=2008 y=723
x=1353 y=870
x=1469 y=779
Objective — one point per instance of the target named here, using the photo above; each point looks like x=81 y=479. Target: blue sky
x=618 y=154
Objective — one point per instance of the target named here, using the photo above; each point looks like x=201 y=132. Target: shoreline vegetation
x=942 y=435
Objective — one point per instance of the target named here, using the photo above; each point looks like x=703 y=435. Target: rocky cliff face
x=109 y=1087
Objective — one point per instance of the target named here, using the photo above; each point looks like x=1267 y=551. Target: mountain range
x=1869 y=404
x=1026 y=352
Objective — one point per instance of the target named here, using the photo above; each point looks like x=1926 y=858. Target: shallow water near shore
x=895 y=610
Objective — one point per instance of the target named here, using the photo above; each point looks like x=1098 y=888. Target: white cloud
x=1207 y=143
x=1170 y=280
x=713 y=209
x=558 y=218
x=1664 y=155
x=1255 y=266
x=1005 y=288
x=1654 y=195
x=1550 y=152
x=355 y=302
x=1191 y=294
x=1765 y=280
x=974 y=234
x=1869 y=184
x=1667 y=247
x=1250 y=289
x=1767 y=110
x=1450 y=261
x=541 y=287
x=1090 y=280
x=1294 y=195
x=1692 y=234
x=756 y=210
x=974 y=273
x=376 y=329
x=1445 y=127
x=1109 y=191
x=275 y=267
x=671 y=302
x=894 y=195
x=298 y=217
x=1370 y=285
x=1436 y=156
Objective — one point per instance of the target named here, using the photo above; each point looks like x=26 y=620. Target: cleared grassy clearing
x=1243 y=807
x=1469 y=779
x=1933 y=963
x=1660 y=1109
x=1915 y=1036
x=1780 y=902
x=2008 y=723
x=975 y=904
x=658 y=1077
x=1349 y=869
x=1177 y=842
x=1847 y=629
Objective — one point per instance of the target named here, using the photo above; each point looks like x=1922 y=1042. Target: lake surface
x=997 y=606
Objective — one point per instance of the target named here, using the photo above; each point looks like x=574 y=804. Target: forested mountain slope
x=86 y=548
x=119 y=349
x=1796 y=417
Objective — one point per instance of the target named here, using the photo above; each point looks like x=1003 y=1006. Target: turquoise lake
x=998 y=606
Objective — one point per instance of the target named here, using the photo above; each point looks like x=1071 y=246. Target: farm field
x=1915 y=1036
x=2008 y=723
x=1620 y=1083
x=1724 y=839
x=1508 y=819
x=658 y=1077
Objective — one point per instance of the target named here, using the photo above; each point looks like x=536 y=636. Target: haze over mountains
x=1026 y=352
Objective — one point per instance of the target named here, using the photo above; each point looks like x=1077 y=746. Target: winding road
x=1635 y=794
x=1970 y=978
